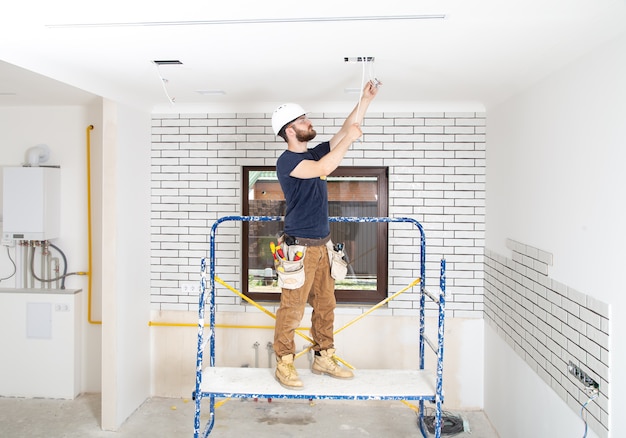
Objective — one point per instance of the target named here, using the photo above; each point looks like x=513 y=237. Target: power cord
x=358 y=106
x=371 y=78
x=164 y=81
x=13 y=262
x=595 y=393
x=451 y=424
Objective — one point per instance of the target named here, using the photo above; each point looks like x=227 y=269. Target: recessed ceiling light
x=168 y=62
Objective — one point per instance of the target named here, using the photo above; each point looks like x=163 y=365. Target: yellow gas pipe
x=230 y=326
x=89 y=250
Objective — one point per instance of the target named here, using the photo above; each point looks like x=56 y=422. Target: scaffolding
x=228 y=382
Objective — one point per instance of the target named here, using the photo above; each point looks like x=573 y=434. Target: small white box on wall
x=31 y=203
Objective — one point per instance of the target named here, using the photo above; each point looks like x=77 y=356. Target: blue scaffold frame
x=439 y=299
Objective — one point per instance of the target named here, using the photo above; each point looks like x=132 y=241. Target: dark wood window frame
x=343 y=296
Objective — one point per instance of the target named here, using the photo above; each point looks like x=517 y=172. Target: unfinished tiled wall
x=436 y=167
x=550 y=324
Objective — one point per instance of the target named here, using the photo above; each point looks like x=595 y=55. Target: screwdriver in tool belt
x=273 y=249
x=280 y=253
x=297 y=256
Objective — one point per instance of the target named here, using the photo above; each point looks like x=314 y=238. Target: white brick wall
x=548 y=324
x=436 y=167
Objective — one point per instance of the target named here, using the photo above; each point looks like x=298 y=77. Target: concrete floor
x=236 y=418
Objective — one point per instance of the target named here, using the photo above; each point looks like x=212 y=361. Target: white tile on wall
x=436 y=176
x=548 y=324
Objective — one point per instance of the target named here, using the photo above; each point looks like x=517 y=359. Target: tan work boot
x=326 y=363
x=286 y=373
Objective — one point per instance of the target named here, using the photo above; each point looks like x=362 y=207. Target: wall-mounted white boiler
x=31 y=198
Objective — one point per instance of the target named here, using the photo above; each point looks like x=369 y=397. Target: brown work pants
x=319 y=291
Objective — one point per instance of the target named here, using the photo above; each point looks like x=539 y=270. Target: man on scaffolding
x=304 y=267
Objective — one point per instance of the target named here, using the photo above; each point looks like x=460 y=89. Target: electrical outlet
x=190 y=288
x=582 y=376
x=354 y=59
x=7 y=239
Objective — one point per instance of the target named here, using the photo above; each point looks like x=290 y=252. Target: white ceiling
x=262 y=53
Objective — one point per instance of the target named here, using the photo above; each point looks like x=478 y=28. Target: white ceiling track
x=255 y=21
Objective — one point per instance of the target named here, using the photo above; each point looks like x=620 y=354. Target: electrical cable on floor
x=451 y=424
x=584 y=406
x=14 y=267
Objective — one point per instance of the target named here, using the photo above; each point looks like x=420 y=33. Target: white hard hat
x=287 y=112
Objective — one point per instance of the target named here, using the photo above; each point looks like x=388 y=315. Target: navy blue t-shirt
x=307 y=199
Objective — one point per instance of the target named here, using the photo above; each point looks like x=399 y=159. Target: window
x=352 y=192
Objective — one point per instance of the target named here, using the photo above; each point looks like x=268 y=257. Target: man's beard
x=307 y=135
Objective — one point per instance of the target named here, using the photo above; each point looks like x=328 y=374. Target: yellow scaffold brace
x=255 y=304
x=364 y=314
